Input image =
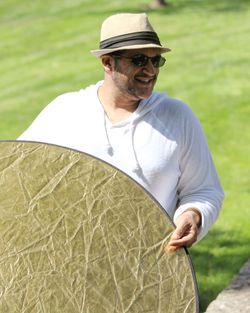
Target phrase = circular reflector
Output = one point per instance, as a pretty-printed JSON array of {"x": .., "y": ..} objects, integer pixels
[{"x": 79, "y": 236}]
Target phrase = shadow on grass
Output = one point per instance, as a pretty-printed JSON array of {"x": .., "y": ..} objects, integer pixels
[
  {"x": 177, "y": 6},
  {"x": 217, "y": 259},
  {"x": 174, "y": 7}
]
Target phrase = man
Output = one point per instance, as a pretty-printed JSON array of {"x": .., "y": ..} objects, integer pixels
[{"x": 153, "y": 138}]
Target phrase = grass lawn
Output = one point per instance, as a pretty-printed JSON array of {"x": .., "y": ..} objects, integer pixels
[{"x": 45, "y": 52}]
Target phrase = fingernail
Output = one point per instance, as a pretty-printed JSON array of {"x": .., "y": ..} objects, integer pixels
[{"x": 171, "y": 248}]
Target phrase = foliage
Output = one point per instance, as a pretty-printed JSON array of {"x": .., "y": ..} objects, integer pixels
[{"x": 45, "y": 52}]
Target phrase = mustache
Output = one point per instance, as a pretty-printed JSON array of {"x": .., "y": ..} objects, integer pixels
[{"x": 143, "y": 75}]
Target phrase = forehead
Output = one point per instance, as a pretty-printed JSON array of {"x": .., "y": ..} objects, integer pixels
[{"x": 146, "y": 51}]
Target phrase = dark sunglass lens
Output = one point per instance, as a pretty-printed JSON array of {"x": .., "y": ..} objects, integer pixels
[
  {"x": 140, "y": 60},
  {"x": 158, "y": 61},
  {"x": 162, "y": 61}
]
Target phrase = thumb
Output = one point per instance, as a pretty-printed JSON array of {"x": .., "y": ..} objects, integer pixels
[{"x": 170, "y": 247}]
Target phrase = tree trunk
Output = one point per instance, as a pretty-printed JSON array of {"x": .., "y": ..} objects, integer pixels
[{"x": 159, "y": 3}]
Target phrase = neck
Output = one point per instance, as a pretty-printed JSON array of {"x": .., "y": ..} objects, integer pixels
[{"x": 116, "y": 106}]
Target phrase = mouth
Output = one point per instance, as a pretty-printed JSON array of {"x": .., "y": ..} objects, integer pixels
[{"x": 145, "y": 81}]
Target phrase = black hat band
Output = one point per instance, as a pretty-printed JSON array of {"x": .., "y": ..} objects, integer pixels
[{"x": 130, "y": 39}]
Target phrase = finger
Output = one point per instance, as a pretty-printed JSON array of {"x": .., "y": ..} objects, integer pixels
[
  {"x": 169, "y": 248},
  {"x": 180, "y": 231},
  {"x": 186, "y": 240},
  {"x": 174, "y": 243}
]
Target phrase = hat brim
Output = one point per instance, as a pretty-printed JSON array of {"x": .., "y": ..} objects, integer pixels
[{"x": 100, "y": 52}]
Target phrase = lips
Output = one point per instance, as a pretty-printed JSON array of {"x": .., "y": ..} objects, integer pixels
[{"x": 144, "y": 80}]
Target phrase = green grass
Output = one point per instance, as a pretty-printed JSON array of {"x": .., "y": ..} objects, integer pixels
[{"x": 45, "y": 51}]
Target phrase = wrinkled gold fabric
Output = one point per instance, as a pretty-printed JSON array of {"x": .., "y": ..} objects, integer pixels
[{"x": 79, "y": 236}]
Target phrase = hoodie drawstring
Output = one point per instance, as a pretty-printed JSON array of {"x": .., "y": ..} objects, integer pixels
[
  {"x": 110, "y": 150},
  {"x": 137, "y": 168},
  {"x": 144, "y": 107}
]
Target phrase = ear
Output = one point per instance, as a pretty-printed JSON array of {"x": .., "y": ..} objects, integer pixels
[{"x": 107, "y": 62}]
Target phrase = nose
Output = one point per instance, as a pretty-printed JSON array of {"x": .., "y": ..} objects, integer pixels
[{"x": 149, "y": 69}]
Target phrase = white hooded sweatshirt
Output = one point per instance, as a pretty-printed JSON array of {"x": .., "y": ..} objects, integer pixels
[{"x": 161, "y": 146}]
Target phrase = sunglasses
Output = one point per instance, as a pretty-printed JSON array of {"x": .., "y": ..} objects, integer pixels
[{"x": 141, "y": 60}]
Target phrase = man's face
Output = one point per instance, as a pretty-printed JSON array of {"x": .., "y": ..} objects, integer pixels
[{"x": 133, "y": 81}]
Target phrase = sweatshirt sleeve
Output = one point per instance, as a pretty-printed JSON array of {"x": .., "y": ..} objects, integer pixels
[
  {"x": 44, "y": 125},
  {"x": 199, "y": 185},
  {"x": 55, "y": 122},
  {"x": 51, "y": 125}
]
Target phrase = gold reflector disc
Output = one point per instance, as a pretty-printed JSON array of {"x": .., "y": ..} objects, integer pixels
[{"x": 79, "y": 236}]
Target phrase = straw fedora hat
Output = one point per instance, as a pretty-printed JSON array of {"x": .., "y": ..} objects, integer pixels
[{"x": 125, "y": 31}]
